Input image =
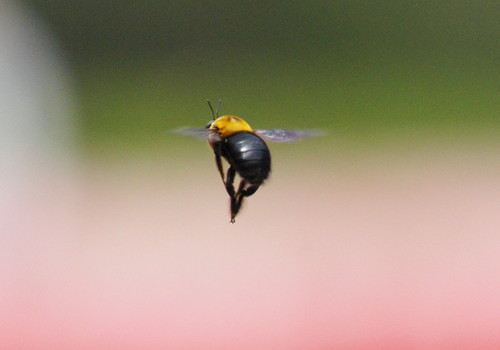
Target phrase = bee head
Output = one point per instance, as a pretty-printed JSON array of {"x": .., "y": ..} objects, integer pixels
[{"x": 228, "y": 125}]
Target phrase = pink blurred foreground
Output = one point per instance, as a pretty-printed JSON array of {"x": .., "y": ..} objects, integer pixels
[{"x": 401, "y": 255}]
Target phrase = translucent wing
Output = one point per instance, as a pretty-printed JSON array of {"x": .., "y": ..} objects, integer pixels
[
  {"x": 280, "y": 135},
  {"x": 198, "y": 133},
  {"x": 273, "y": 135}
]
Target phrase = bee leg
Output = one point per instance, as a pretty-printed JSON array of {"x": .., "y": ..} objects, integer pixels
[
  {"x": 250, "y": 190},
  {"x": 231, "y": 173},
  {"x": 237, "y": 200},
  {"x": 218, "y": 161}
]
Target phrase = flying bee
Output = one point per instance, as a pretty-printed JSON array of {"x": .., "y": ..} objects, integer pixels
[{"x": 244, "y": 149}]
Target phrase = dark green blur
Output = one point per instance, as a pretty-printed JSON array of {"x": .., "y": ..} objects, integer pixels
[{"x": 372, "y": 73}]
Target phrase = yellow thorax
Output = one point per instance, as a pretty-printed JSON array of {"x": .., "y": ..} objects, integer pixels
[{"x": 229, "y": 124}]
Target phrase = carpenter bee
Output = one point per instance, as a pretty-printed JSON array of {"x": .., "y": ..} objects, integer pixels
[{"x": 244, "y": 149}]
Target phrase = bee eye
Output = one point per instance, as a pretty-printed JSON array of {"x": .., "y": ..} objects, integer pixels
[{"x": 209, "y": 124}]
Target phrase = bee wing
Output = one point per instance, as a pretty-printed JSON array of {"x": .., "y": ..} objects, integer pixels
[
  {"x": 198, "y": 133},
  {"x": 280, "y": 135}
]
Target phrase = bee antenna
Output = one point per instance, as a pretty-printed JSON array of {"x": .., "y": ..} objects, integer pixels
[{"x": 212, "y": 109}]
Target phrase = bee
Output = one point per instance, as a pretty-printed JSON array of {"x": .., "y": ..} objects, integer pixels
[{"x": 244, "y": 149}]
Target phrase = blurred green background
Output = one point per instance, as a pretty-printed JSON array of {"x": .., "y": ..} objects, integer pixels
[{"x": 374, "y": 74}]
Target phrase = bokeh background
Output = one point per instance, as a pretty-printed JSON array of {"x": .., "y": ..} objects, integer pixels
[{"x": 384, "y": 234}]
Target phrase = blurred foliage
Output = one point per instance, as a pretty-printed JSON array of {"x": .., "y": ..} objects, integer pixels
[
  {"x": 158, "y": 27},
  {"x": 367, "y": 71}
]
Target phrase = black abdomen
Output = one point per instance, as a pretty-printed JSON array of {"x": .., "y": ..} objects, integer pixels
[{"x": 249, "y": 154}]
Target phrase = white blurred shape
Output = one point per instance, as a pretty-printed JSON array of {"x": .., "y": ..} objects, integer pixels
[{"x": 36, "y": 126}]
